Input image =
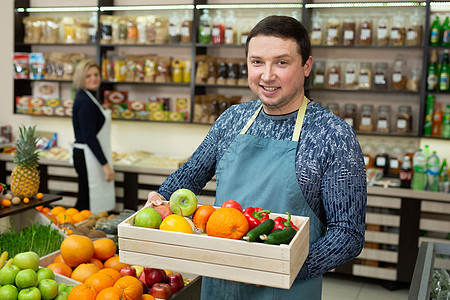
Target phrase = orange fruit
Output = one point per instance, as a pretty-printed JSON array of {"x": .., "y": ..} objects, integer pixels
[
  {"x": 104, "y": 248},
  {"x": 39, "y": 196},
  {"x": 6, "y": 203},
  {"x": 100, "y": 281},
  {"x": 82, "y": 291},
  {"x": 147, "y": 297},
  {"x": 131, "y": 286},
  {"x": 111, "y": 293},
  {"x": 113, "y": 262},
  {"x": 59, "y": 258},
  {"x": 62, "y": 217},
  {"x": 46, "y": 210},
  {"x": 26, "y": 200},
  {"x": 86, "y": 213},
  {"x": 57, "y": 209},
  {"x": 201, "y": 216},
  {"x": 96, "y": 262},
  {"x": 83, "y": 271},
  {"x": 112, "y": 272},
  {"x": 40, "y": 208},
  {"x": 227, "y": 222},
  {"x": 72, "y": 211},
  {"x": 60, "y": 268},
  {"x": 176, "y": 223},
  {"x": 78, "y": 217},
  {"x": 77, "y": 249}
]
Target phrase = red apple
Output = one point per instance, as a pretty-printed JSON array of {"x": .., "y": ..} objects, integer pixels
[
  {"x": 161, "y": 291},
  {"x": 144, "y": 284},
  {"x": 151, "y": 276},
  {"x": 176, "y": 281},
  {"x": 164, "y": 210},
  {"x": 128, "y": 271}
]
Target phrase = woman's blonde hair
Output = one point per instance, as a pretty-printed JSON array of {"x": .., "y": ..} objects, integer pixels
[{"x": 80, "y": 72}]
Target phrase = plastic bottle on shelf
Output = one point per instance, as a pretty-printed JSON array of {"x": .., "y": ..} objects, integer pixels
[
  {"x": 444, "y": 184},
  {"x": 444, "y": 73},
  {"x": 230, "y": 31},
  {"x": 406, "y": 173},
  {"x": 428, "y": 123},
  {"x": 218, "y": 28},
  {"x": 419, "y": 179},
  {"x": 435, "y": 32},
  {"x": 427, "y": 151},
  {"x": 382, "y": 158},
  {"x": 446, "y": 32},
  {"x": 174, "y": 28},
  {"x": 433, "y": 170},
  {"x": 186, "y": 28},
  {"x": 395, "y": 159},
  {"x": 446, "y": 123},
  {"x": 438, "y": 115},
  {"x": 205, "y": 28},
  {"x": 369, "y": 155},
  {"x": 433, "y": 72},
  {"x": 316, "y": 34}
]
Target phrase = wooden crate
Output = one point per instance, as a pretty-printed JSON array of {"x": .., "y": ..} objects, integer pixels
[{"x": 238, "y": 260}]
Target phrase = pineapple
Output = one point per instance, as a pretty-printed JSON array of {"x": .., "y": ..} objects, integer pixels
[{"x": 25, "y": 176}]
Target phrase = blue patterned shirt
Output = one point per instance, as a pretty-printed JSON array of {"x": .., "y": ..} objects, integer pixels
[{"x": 329, "y": 166}]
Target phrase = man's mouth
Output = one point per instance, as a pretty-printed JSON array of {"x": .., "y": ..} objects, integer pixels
[{"x": 269, "y": 89}]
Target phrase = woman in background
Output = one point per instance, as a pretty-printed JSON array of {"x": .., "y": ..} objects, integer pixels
[{"x": 92, "y": 154}]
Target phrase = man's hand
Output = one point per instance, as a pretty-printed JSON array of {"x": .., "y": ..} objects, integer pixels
[
  {"x": 109, "y": 172},
  {"x": 154, "y": 199}
]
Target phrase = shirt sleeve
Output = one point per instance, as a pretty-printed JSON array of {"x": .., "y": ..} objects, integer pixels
[
  {"x": 344, "y": 194},
  {"x": 90, "y": 122}
]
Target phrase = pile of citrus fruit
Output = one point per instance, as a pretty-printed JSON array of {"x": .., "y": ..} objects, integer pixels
[{"x": 61, "y": 215}]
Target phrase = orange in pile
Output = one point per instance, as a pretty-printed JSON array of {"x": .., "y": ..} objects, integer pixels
[
  {"x": 60, "y": 214},
  {"x": 227, "y": 222}
]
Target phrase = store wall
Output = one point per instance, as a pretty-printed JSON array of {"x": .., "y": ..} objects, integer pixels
[{"x": 161, "y": 138}]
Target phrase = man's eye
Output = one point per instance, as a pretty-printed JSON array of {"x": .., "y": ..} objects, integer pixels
[{"x": 282, "y": 63}]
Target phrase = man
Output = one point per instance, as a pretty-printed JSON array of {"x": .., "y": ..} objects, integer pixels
[{"x": 283, "y": 152}]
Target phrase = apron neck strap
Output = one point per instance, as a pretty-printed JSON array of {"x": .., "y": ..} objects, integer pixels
[
  {"x": 298, "y": 122},
  {"x": 93, "y": 99}
]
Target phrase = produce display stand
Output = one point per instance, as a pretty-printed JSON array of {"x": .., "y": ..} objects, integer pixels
[
  {"x": 15, "y": 209},
  {"x": 255, "y": 263},
  {"x": 425, "y": 264}
]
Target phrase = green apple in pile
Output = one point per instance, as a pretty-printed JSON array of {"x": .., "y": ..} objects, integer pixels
[{"x": 183, "y": 202}]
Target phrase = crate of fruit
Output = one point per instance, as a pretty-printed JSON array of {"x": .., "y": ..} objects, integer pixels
[{"x": 230, "y": 259}]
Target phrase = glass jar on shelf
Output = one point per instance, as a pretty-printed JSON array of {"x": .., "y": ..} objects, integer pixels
[
  {"x": 334, "y": 108},
  {"x": 382, "y": 32},
  {"x": 319, "y": 74},
  {"x": 348, "y": 32},
  {"x": 413, "y": 82},
  {"x": 396, "y": 158},
  {"x": 365, "y": 76},
  {"x": 415, "y": 30},
  {"x": 380, "y": 79},
  {"x": 382, "y": 158},
  {"x": 365, "y": 32},
  {"x": 350, "y": 114},
  {"x": 316, "y": 36},
  {"x": 384, "y": 119},
  {"x": 369, "y": 153},
  {"x": 350, "y": 77},
  {"x": 333, "y": 30},
  {"x": 366, "y": 118},
  {"x": 333, "y": 79},
  {"x": 398, "y": 31},
  {"x": 399, "y": 73},
  {"x": 404, "y": 119}
]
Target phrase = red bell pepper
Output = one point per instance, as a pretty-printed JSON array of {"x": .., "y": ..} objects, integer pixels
[
  {"x": 281, "y": 223},
  {"x": 255, "y": 216}
]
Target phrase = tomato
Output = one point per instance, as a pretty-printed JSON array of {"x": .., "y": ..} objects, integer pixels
[{"x": 233, "y": 204}]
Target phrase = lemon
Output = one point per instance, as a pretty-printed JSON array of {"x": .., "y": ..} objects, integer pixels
[{"x": 176, "y": 223}]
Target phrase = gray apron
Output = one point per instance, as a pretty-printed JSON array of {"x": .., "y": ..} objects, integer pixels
[
  {"x": 102, "y": 195},
  {"x": 261, "y": 172}
]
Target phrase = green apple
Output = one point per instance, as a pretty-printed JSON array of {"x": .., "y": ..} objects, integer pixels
[
  {"x": 8, "y": 292},
  {"x": 62, "y": 296},
  {"x": 69, "y": 288},
  {"x": 183, "y": 202},
  {"x": 48, "y": 288},
  {"x": 27, "y": 260},
  {"x": 45, "y": 273},
  {"x": 26, "y": 278},
  {"x": 8, "y": 274},
  {"x": 31, "y": 293},
  {"x": 147, "y": 217},
  {"x": 62, "y": 287}
]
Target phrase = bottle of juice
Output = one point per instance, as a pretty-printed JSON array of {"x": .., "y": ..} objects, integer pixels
[
  {"x": 433, "y": 72},
  {"x": 446, "y": 123},
  {"x": 435, "y": 32},
  {"x": 218, "y": 28},
  {"x": 205, "y": 28},
  {"x": 406, "y": 173},
  {"x": 419, "y": 179},
  {"x": 438, "y": 115}
]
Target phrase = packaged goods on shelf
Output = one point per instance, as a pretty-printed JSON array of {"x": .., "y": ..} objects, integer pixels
[
  {"x": 207, "y": 108},
  {"x": 219, "y": 70},
  {"x": 21, "y": 65},
  {"x": 41, "y": 30}
]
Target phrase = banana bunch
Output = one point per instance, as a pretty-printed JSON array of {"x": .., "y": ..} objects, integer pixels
[{"x": 3, "y": 259}]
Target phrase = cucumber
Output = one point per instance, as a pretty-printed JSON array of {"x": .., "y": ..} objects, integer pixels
[
  {"x": 279, "y": 237},
  {"x": 264, "y": 228}
]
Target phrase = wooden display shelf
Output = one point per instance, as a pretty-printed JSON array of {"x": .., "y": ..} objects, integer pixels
[{"x": 15, "y": 209}]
